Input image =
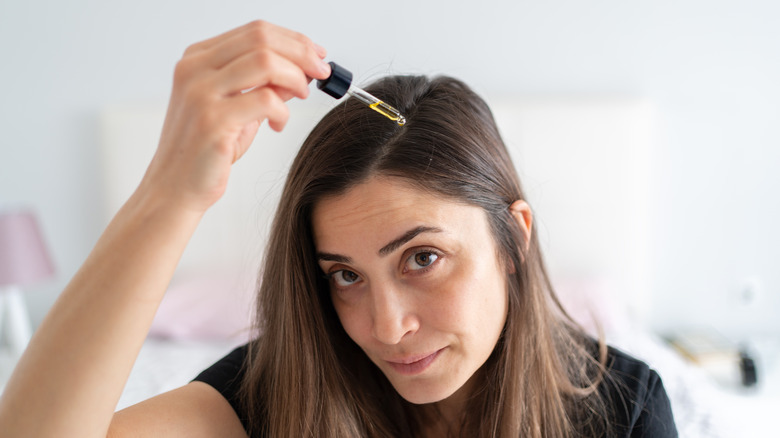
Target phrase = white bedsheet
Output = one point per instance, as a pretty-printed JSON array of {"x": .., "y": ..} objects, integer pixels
[
  {"x": 703, "y": 408},
  {"x": 164, "y": 365}
]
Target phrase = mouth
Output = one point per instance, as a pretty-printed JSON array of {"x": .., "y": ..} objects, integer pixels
[{"x": 414, "y": 364}]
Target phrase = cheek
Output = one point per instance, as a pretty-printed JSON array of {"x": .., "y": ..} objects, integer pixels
[
  {"x": 494, "y": 304},
  {"x": 476, "y": 301},
  {"x": 353, "y": 320}
]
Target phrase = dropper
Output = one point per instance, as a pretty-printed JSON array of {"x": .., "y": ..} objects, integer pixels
[{"x": 339, "y": 83}]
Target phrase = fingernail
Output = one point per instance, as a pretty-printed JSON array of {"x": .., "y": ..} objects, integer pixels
[{"x": 325, "y": 68}]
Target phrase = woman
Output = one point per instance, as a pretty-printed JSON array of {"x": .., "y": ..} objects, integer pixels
[{"x": 403, "y": 292}]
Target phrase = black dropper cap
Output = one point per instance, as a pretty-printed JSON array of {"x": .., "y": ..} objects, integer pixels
[{"x": 338, "y": 82}]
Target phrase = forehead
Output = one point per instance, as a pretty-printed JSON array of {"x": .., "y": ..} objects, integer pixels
[{"x": 384, "y": 205}]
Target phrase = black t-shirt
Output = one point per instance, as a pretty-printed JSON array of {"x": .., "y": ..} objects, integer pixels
[{"x": 639, "y": 402}]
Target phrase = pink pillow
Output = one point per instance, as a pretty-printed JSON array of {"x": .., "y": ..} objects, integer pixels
[
  {"x": 592, "y": 301},
  {"x": 206, "y": 306}
]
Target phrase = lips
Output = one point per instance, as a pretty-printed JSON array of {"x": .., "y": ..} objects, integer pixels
[{"x": 412, "y": 365}]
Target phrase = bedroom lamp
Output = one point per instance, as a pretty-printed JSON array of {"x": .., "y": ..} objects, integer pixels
[{"x": 23, "y": 260}]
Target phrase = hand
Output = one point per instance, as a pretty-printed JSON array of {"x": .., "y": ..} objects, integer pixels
[{"x": 223, "y": 89}]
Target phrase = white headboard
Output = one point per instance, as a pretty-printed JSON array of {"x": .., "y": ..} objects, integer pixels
[
  {"x": 585, "y": 165},
  {"x": 233, "y": 230}
]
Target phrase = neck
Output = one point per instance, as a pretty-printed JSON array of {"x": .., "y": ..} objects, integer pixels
[{"x": 444, "y": 418}]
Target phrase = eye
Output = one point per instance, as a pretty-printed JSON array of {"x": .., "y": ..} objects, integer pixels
[
  {"x": 421, "y": 260},
  {"x": 344, "y": 278}
]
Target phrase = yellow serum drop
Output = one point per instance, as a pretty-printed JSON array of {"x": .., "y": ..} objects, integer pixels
[{"x": 339, "y": 83}]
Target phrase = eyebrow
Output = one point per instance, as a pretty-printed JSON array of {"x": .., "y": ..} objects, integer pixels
[
  {"x": 409, "y": 235},
  {"x": 385, "y": 250}
]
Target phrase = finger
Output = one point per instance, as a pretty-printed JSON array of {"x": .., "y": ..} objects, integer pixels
[
  {"x": 283, "y": 94},
  {"x": 259, "y": 69},
  {"x": 321, "y": 52},
  {"x": 276, "y": 112},
  {"x": 293, "y": 45},
  {"x": 213, "y": 41},
  {"x": 248, "y": 27},
  {"x": 257, "y": 105}
]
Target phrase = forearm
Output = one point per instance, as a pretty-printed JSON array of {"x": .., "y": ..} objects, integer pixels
[{"x": 72, "y": 375}]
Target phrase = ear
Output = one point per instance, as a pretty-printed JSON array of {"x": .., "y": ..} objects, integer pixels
[{"x": 521, "y": 211}]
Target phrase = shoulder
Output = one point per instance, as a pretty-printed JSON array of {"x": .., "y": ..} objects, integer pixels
[
  {"x": 208, "y": 406},
  {"x": 637, "y": 398},
  {"x": 194, "y": 410},
  {"x": 226, "y": 376},
  {"x": 227, "y": 372}
]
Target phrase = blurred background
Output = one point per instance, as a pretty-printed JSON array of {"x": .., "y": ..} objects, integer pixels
[
  {"x": 708, "y": 68},
  {"x": 707, "y": 71}
]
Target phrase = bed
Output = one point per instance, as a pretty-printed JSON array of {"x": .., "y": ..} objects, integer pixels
[{"x": 571, "y": 152}]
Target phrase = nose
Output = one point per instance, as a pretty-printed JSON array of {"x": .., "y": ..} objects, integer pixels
[{"x": 393, "y": 313}]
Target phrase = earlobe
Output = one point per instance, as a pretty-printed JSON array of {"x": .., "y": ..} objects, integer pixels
[{"x": 521, "y": 211}]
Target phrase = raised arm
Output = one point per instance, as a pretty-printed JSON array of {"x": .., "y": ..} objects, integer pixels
[{"x": 71, "y": 376}]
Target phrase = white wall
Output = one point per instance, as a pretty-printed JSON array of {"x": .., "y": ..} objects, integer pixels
[{"x": 709, "y": 67}]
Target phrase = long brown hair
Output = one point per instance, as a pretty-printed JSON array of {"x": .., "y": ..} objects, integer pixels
[{"x": 305, "y": 376}]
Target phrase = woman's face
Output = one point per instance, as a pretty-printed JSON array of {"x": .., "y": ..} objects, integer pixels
[{"x": 416, "y": 282}]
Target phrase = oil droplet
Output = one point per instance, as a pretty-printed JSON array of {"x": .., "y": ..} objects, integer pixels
[{"x": 389, "y": 112}]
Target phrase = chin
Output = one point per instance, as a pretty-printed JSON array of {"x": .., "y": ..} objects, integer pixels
[{"x": 420, "y": 393}]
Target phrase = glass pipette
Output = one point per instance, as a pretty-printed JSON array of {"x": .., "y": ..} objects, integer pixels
[{"x": 339, "y": 83}]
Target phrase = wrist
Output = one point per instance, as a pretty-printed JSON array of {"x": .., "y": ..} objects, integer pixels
[
  {"x": 162, "y": 198},
  {"x": 179, "y": 189},
  {"x": 160, "y": 217}
]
